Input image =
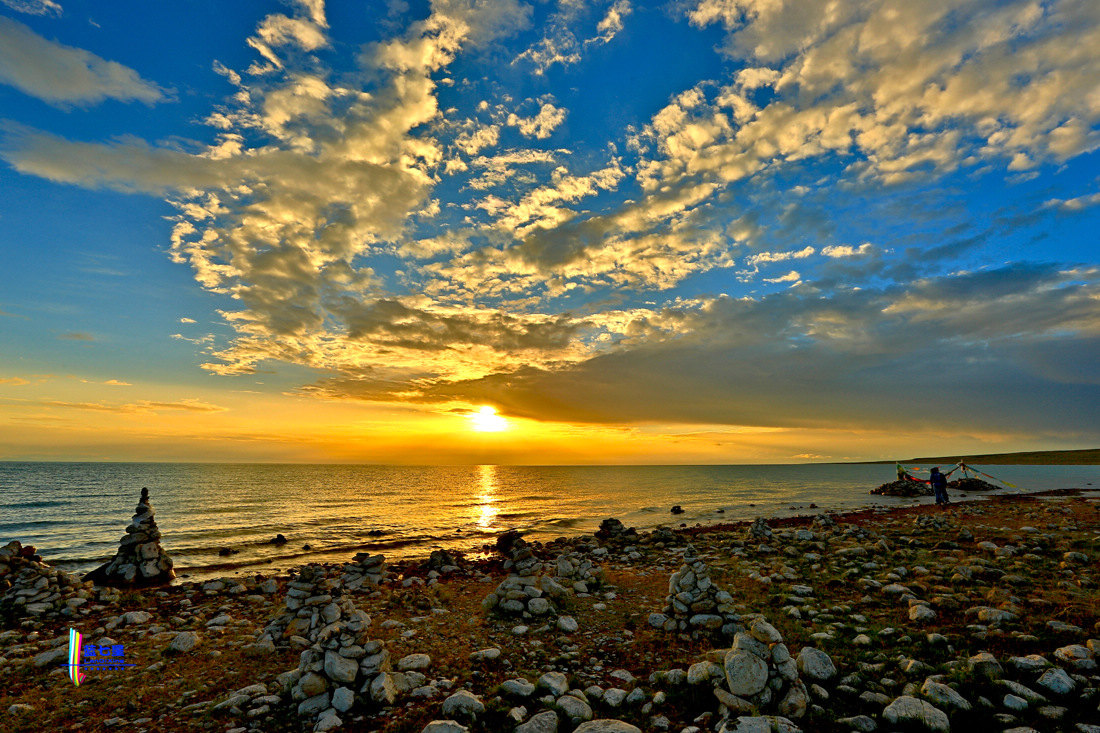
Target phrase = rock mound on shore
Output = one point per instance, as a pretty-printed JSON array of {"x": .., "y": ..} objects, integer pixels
[
  {"x": 140, "y": 560},
  {"x": 903, "y": 488},
  {"x": 31, "y": 587}
]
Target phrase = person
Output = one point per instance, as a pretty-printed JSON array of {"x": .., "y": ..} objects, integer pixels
[{"x": 939, "y": 486}]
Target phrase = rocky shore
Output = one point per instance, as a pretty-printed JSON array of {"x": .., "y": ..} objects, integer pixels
[{"x": 974, "y": 617}]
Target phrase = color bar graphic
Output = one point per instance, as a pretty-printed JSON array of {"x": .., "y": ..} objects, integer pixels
[{"x": 74, "y": 657}]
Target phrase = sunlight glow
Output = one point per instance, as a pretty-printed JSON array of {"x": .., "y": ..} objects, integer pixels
[{"x": 486, "y": 420}]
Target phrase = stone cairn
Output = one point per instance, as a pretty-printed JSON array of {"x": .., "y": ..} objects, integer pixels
[
  {"x": 759, "y": 530},
  {"x": 695, "y": 604},
  {"x": 341, "y": 664},
  {"x": 577, "y": 571},
  {"x": 612, "y": 530},
  {"x": 522, "y": 592},
  {"x": 364, "y": 569},
  {"x": 445, "y": 562},
  {"x": 31, "y": 587},
  {"x": 140, "y": 560},
  {"x": 759, "y": 674}
]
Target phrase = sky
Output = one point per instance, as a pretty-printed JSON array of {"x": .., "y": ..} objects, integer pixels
[{"x": 556, "y": 231}]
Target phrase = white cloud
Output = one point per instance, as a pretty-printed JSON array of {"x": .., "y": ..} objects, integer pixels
[
  {"x": 34, "y": 7},
  {"x": 542, "y": 124},
  {"x": 844, "y": 250},
  {"x": 63, "y": 75},
  {"x": 790, "y": 277}
]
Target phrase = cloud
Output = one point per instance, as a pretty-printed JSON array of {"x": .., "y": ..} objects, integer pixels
[
  {"x": 62, "y": 75},
  {"x": 795, "y": 360},
  {"x": 130, "y": 408},
  {"x": 14, "y": 381},
  {"x": 187, "y": 320},
  {"x": 34, "y": 7},
  {"x": 837, "y": 251},
  {"x": 542, "y": 124},
  {"x": 77, "y": 336}
]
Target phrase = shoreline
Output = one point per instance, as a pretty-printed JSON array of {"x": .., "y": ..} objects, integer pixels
[
  {"x": 421, "y": 549},
  {"x": 421, "y": 610}
]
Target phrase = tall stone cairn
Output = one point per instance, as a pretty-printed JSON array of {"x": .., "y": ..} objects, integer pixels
[
  {"x": 341, "y": 666},
  {"x": 695, "y": 604},
  {"x": 140, "y": 560},
  {"x": 522, "y": 593}
]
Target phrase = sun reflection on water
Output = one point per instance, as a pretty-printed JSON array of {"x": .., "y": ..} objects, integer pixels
[{"x": 487, "y": 483}]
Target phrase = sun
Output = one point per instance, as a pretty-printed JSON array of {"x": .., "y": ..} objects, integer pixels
[{"x": 486, "y": 420}]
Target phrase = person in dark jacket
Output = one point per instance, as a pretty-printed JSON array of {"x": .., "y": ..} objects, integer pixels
[{"x": 939, "y": 486}]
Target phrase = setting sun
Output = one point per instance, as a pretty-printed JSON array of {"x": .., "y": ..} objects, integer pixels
[{"x": 486, "y": 420}]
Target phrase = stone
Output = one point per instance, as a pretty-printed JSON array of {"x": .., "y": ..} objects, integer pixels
[
  {"x": 984, "y": 664},
  {"x": 1057, "y": 681},
  {"x": 342, "y": 699},
  {"x": 606, "y": 725},
  {"x": 574, "y": 708},
  {"x": 517, "y": 688},
  {"x": 339, "y": 668},
  {"x": 414, "y": 662},
  {"x": 568, "y": 624},
  {"x": 312, "y": 684},
  {"x": 815, "y": 664},
  {"x": 555, "y": 682},
  {"x": 746, "y": 673},
  {"x": 613, "y": 697},
  {"x": 544, "y": 722},
  {"x": 383, "y": 690},
  {"x": 909, "y": 710},
  {"x": 184, "y": 642},
  {"x": 463, "y": 704},
  {"x": 444, "y": 726},
  {"x": 328, "y": 720},
  {"x": 943, "y": 696},
  {"x": 313, "y": 705},
  {"x": 52, "y": 657}
]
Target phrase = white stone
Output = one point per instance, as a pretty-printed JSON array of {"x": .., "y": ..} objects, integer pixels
[
  {"x": 943, "y": 696},
  {"x": 444, "y": 726},
  {"x": 574, "y": 708},
  {"x": 606, "y": 726},
  {"x": 568, "y": 624},
  {"x": 340, "y": 669},
  {"x": 815, "y": 664},
  {"x": 906, "y": 709},
  {"x": 544, "y": 722},
  {"x": 1057, "y": 681},
  {"x": 413, "y": 662},
  {"x": 184, "y": 641},
  {"x": 463, "y": 704},
  {"x": 342, "y": 699},
  {"x": 746, "y": 673},
  {"x": 555, "y": 682}
]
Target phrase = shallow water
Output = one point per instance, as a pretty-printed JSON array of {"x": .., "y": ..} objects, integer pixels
[{"x": 75, "y": 512}]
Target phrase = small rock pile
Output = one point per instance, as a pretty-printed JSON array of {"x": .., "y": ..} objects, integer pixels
[
  {"x": 309, "y": 607},
  {"x": 759, "y": 674},
  {"x": 612, "y": 529},
  {"x": 661, "y": 533},
  {"x": 140, "y": 560},
  {"x": 364, "y": 569},
  {"x": 759, "y": 530},
  {"x": 31, "y": 587},
  {"x": 971, "y": 484},
  {"x": 445, "y": 562},
  {"x": 520, "y": 593},
  {"x": 579, "y": 572},
  {"x": 904, "y": 488},
  {"x": 694, "y": 603}
]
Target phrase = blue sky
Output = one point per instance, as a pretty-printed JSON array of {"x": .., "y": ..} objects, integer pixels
[{"x": 716, "y": 230}]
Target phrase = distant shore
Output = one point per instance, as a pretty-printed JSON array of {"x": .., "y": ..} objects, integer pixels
[{"x": 1085, "y": 457}]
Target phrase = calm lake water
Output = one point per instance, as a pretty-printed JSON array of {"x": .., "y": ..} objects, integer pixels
[{"x": 75, "y": 513}]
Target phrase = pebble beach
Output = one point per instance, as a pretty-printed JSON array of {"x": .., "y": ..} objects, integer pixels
[{"x": 976, "y": 616}]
